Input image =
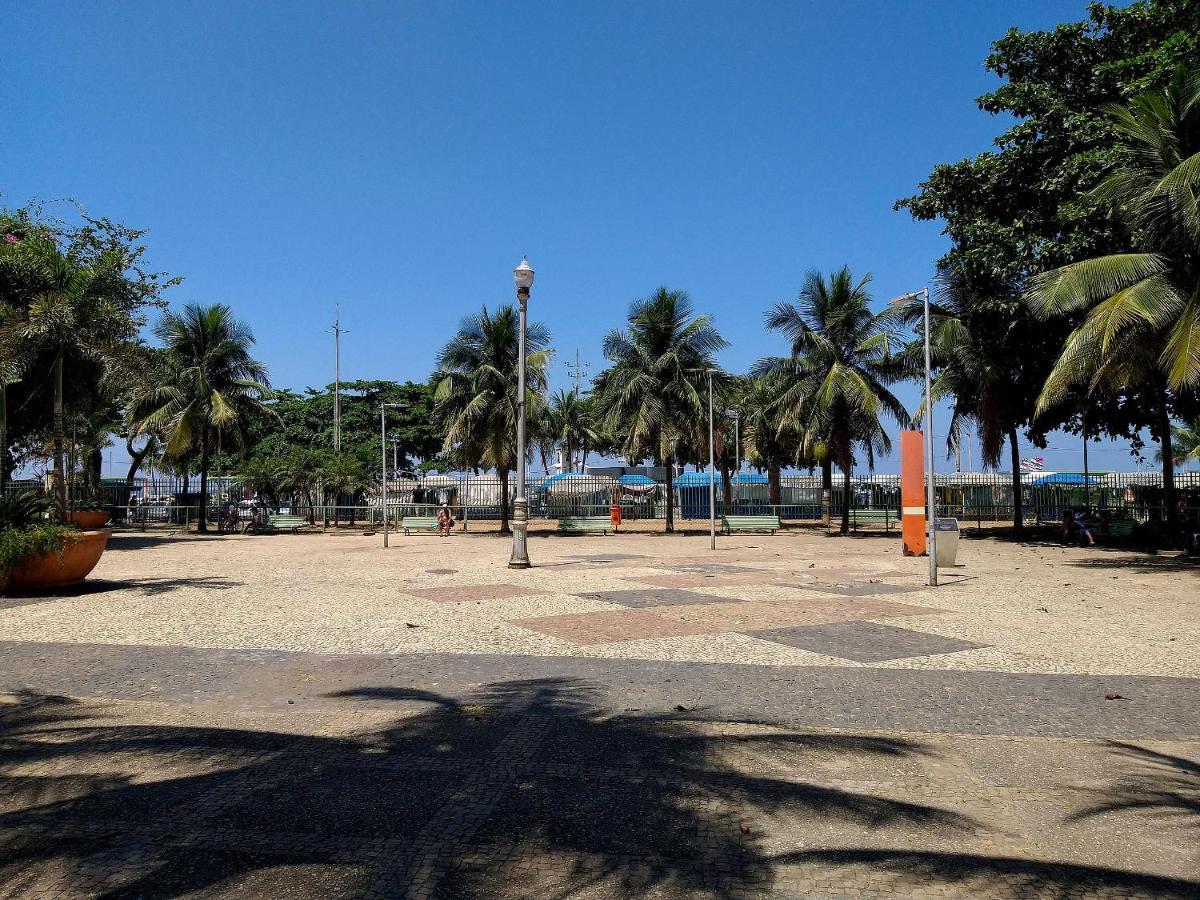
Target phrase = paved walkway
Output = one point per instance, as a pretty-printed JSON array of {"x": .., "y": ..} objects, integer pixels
[{"x": 852, "y": 733}]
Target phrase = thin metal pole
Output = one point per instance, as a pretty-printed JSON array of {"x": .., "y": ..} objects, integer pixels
[
  {"x": 520, "y": 525},
  {"x": 737, "y": 451},
  {"x": 712, "y": 473},
  {"x": 1087, "y": 481},
  {"x": 384, "y": 485},
  {"x": 338, "y": 331},
  {"x": 931, "y": 498}
]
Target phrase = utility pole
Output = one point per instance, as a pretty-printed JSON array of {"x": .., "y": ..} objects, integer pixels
[
  {"x": 338, "y": 331},
  {"x": 577, "y": 371}
]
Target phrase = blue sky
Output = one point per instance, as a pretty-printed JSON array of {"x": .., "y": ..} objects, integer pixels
[{"x": 399, "y": 158}]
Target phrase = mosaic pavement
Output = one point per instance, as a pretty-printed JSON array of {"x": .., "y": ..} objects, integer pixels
[{"x": 798, "y": 717}]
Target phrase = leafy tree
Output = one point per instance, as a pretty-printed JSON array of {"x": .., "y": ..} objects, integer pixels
[
  {"x": 837, "y": 377},
  {"x": 212, "y": 386},
  {"x": 1027, "y": 205},
  {"x": 475, "y": 391},
  {"x": 1185, "y": 443},
  {"x": 1140, "y": 309},
  {"x": 770, "y": 442},
  {"x": 655, "y": 392}
]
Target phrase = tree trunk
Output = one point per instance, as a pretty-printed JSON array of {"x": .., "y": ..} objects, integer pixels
[
  {"x": 847, "y": 499},
  {"x": 202, "y": 522},
  {"x": 3, "y": 436},
  {"x": 1018, "y": 510},
  {"x": 670, "y": 465},
  {"x": 583, "y": 459},
  {"x": 826, "y": 491},
  {"x": 726, "y": 485},
  {"x": 95, "y": 472},
  {"x": 503, "y": 473},
  {"x": 60, "y": 475},
  {"x": 774, "y": 485},
  {"x": 1168, "y": 473}
]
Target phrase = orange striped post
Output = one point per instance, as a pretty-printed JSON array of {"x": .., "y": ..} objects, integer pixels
[{"x": 912, "y": 492}]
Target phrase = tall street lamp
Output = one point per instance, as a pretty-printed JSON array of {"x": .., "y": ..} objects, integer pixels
[
  {"x": 523, "y": 277},
  {"x": 930, "y": 495},
  {"x": 712, "y": 471},
  {"x": 383, "y": 408}
]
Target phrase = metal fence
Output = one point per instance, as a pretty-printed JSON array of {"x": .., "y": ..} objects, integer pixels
[{"x": 979, "y": 498}]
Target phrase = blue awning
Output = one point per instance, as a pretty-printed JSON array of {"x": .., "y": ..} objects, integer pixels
[
  {"x": 749, "y": 478},
  {"x": 1065, "y": 478},
  {"x": 636, "y": 481},
  {"x": 692, "y": 480}
]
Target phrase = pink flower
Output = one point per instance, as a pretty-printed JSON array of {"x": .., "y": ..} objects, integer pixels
[{"x": 11, "y": 239}]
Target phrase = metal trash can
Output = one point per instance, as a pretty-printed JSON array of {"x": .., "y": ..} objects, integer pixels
[{"x": 947, "y": 542}]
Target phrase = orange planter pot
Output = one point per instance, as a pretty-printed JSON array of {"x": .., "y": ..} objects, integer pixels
[
  {"x": 89, "y": 519},
  {"x": 60, "y": 570}
]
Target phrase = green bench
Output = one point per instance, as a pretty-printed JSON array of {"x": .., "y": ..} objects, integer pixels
[
  {"x": 874, "y": 516},
  {"x": 418, "y": 523},
  {"x": 581, "y": 524},
  {"x": 730, "y": 524},
  {"x": 285, "y": 523},
  {"x": 1119, "y": 528}
]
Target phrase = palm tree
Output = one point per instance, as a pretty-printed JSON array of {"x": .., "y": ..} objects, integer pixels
[
  {"x": 211, "y": 390},
  {"x": 475, "y": 391},
  {"x": 341, "y": 474},
  {"x": 970, "y": 338},
  {"x": 1185, "y": 443},
  {"x": 14, "y": 357},
  {"x": 838, "y": 373},
  {"x": 768, "y": 439},
  {"x": 655, "y": 391},
  {"x": 71, "y": 313},
  {"x": 1140, "y": 310},
  {"x": 569, "y": 422}
]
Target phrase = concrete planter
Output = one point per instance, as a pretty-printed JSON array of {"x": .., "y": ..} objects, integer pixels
[{"x": 55, "y": 570}]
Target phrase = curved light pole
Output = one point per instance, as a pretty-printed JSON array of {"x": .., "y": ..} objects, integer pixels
[
  {"x": 523, "y": 277},
  {"x": 383, "y": 408}
]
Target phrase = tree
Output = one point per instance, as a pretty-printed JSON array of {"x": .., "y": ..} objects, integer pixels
[
  {"x": 841, "y": 363},
  {"x": 475, "y": 391},
  {"x": 770, "y": 442},
  {"x": 655, "y": 392},
  {"x": 569, "y": 422},
  {"x": 1185, "y": 443},
  {"x": 212, "y": 387},
  {"x": 341, "y": 474},
  {"x": 970, "y": 346},
  {"x": 1141, "y": 308}
]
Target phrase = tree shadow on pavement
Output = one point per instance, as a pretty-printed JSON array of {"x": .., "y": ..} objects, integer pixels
[
  {"x": 1157, "y": 784},
  {"x": 522, "y": 788}
]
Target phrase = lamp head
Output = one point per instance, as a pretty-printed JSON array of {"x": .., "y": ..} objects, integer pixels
[{"x": 523, "y": 275}]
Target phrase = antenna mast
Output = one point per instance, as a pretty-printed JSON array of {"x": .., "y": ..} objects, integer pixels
[{"x": 338, "y": 331}]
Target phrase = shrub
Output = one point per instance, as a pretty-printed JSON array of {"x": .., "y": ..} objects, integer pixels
[{"x": 18, "y": 544}]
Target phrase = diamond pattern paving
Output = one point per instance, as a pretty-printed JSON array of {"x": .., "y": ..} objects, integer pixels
[
  {"x": 470, "y": 592},
  {"x": 852, "y": 589},
  {"x": 865, "y": 641},
  {"x": 650, "y": 598},
  {"x": 609, "y": 626},
  {"x": 606, "y": 557},
  {"x": 687, "y": 581},
  {"x": 712, "y": 568}
]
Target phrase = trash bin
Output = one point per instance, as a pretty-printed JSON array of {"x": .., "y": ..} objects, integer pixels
[
  {"x": 947, "y": 542},
  {"x": 614, "y": 515}
]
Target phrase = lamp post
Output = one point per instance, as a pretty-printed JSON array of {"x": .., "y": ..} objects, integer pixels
[
  {"x": 383, "y": 408},
  {"x": 737, "y": 452},
  {"x": 523, "y": 277},
  {"x": 712, "y": 471},
  {"x": 930, "y": 493}
]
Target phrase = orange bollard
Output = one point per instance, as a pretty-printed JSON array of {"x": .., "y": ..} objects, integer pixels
[{"x": 912, "y": 492}]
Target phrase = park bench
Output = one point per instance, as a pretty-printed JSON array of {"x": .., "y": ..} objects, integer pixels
[
  {"x": 873, "y": 516},
  {"x": 1119, "y": 528},
  {"x": 581, "y": 524},
  {"x": 285, "y": 523},
  {"x": 731, "y": 524},
  {"x": 418, "y": 523}
]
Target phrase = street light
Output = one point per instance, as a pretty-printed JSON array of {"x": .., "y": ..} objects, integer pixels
[
  {"x": 712, "y": 471},
  {"x": 383, "y": 408},
  {"x": 523, "y": 277},
  {"x": 930, "y": 498}
]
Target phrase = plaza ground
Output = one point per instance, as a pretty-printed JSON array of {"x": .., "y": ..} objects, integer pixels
[{"x": 793, "y": 715}]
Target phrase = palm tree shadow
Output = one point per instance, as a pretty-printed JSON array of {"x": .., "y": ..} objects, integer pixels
[
  {"x": 525, "y": 785},
  {"x": 1161, "y": 785}
]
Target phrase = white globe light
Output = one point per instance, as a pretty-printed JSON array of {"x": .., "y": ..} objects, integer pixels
[{"x": 523, "y": 274}]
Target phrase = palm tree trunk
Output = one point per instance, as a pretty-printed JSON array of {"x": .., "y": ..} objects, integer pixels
[
  {"x": 670, "y": 495},
  {"x": 826, "y": 491},
  {"x": 1168, "y": 473},
  {"x": 774, "y": 484},
  {"x": 583, "y": 459},
  {"x": 202, "y": 521},
  {"x": 726, "y": 485},
  {"x": 847, "y": 499},
  {"x": 503, "y": 473},
  {"x": 136, "y": 458},
  {"x": 1018, "y": 510},
  {"x": 60, "y": 482}
]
